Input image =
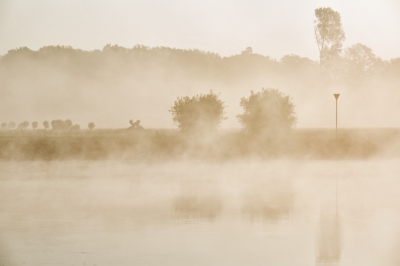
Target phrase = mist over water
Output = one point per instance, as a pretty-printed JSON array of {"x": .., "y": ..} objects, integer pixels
[
  {"x": 190, "y": 212},
  {"x": 155, "y": 155}
]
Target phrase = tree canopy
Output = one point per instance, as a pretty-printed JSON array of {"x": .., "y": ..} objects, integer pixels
[
  {"x": 198, "y": 114},
  {"x": 329, "y": 34},
  {"x": 267, "y": 113}
]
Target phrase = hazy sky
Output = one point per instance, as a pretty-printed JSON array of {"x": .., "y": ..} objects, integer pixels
[{"x": 272, "y": 28}]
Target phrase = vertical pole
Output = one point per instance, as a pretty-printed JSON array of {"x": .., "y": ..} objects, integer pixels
[{"x": 336, "y": 97}]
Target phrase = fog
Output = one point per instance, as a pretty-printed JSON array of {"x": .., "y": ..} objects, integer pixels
[
  {"x": 111, "y": 212},
  {"x": 217, "y": 140},
  {"x": 117, "y": 84}
]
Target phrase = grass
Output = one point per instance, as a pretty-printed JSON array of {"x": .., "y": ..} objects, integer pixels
[{"x": 170, "y": 144}]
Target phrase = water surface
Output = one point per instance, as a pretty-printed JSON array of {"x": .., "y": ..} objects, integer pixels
[{"x": 281, "y": 212}]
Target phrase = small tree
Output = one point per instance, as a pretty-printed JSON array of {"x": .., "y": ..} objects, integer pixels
[
  {"x": 3, "y": 125},
  {"x": 268, "y": 113},
  {"x": 58, "y": 125},
  {"x": 11, "y": 125},
  {"x": 198, "y": 114},
  {"x": 23, "y": 125},
  {"x": 46, "y": 125},
  {"x": 91, "y": 125},
  {"x": 34, "y": 125}
]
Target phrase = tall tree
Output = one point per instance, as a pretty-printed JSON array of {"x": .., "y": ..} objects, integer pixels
[{"x": 329, "y": 35}]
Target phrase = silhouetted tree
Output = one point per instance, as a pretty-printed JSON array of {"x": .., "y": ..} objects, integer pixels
[
  {"x": 248, "y": 50},
  {"x": 198, "y": 114},
  {"x": 358, "y": 61},
  {"x": 329, "y": 36},
  {"x": 3, "y": 125},
  {"x": 268, "y": 113},
  {"x": 46, "y": 125},
  {"x": 11, "y": 125},
  {"x": 23, "y": 125},
  {"x": 91, "y": 125},
  {"x": 59, "y": 125},
  {"x": 34, "y": 125}
]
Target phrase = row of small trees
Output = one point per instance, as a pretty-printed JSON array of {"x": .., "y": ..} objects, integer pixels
[
  {"x": 58, "y": 125},
  {"x": 267, "y": 113}
]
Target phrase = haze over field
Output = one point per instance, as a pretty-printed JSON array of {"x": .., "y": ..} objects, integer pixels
[{"x": 110, "y": 87}]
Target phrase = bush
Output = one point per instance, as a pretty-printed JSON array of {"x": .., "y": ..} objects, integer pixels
[
  {"x": 198, "y": 114},
  {"x": 75, "y": 128},
  {"x": 268, "y": 113},
  {"x": 60, "y": 125},
  {"x": 23, "y": 125}
]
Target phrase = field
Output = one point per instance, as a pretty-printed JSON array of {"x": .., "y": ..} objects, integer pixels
[{"x": 163, "y": 144}]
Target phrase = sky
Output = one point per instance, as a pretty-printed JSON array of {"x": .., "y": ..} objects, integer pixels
[{"x": 274, "y": 28}]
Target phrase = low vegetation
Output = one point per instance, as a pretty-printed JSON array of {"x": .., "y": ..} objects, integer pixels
[{"x": 166, "y": 144}]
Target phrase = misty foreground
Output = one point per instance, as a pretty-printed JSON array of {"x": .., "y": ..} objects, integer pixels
[
  {"x": 242, "y": 212},
  {"x": 171, "y": 144}
]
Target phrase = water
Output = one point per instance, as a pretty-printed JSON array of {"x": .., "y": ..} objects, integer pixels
[{"x": 192, "y": 213}]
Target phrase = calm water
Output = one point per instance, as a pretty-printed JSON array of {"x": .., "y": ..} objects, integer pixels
[{"x": 191, "y": 213}]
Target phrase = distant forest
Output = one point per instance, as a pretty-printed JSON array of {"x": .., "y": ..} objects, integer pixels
[{"x": 117, "y": 84}]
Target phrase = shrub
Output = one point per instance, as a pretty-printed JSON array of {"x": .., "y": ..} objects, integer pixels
[
  {"x": 59, "y": 125},
  {"x": 198, "y": 114},
  {"x": 23, "y": 125},
  {"x": 268, "y": 113}
]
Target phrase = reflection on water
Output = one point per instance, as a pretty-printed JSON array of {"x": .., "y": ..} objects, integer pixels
[
  {"x": 247, "y": 213},
  {"x": 329, "y": 242},
  {"x": 193, "y": 207},
  {"x": 269, "y": 202}
]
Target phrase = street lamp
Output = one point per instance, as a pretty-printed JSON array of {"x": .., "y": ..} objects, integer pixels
[{"x": 336, "y": 97}]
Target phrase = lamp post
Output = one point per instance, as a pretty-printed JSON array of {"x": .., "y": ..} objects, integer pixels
[{"x": 336, "y": 97}]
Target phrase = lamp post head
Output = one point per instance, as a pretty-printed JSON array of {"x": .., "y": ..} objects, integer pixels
[{"x": 336, "y": 95}]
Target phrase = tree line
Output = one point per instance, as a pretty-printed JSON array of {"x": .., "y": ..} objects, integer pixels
[
  {"x": 63, "y": 74},
  {"x": 352, "y": 66},
  {"x": 57, "y": 125}
]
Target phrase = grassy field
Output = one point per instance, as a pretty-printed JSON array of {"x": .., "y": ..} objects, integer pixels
[{"x": 170, "y": 144}]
